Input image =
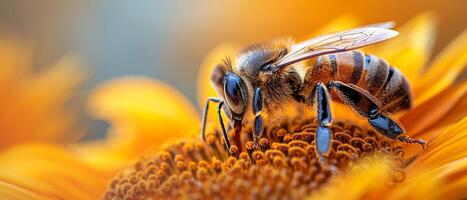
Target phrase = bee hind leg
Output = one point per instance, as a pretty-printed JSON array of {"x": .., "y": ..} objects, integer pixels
[
  {"x": 369, "y": 107},
  {"x": 324, "y": 115},
  {"x": 221, "y": 121}
]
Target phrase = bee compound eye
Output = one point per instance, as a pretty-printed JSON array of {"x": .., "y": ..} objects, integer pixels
[{"x": 234, "y": 95}]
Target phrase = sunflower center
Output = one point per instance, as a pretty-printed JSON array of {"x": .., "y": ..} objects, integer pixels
[{"x": 283, "y": 165}]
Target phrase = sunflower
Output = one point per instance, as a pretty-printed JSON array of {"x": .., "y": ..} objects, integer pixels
[{"x": 153, "y": 150}]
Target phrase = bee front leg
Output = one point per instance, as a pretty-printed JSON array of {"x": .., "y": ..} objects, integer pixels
[
  {"x": 205, "y": 115},
  {"x": 324, "y": 115},
  {"x": 221, "y": 121},
  {"x": 368, "y": 106},
  {"x": 258, "y": 121}
]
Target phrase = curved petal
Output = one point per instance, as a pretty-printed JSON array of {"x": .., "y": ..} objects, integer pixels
[
  {"x": 444, "y": 70},
  {"x": 412, "y": 48},
  {"x": 49, "y": 172},
  {"x": 143, "y": 113},
  {"x": 430, "y": 113}
]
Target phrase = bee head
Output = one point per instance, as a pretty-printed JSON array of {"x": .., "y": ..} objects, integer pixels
[{"x": 236, "y": 95}]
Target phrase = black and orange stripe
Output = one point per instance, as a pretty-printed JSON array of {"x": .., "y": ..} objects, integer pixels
[{"x": 369, "y": 72}]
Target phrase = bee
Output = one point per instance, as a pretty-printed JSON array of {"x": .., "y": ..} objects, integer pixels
[{"x": 269, "y": 75}]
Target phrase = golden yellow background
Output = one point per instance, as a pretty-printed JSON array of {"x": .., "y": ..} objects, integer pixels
[{"x": 168, "y": 39}]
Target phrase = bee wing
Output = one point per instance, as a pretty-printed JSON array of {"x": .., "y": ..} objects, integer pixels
[{"x": 336, "y": 42}]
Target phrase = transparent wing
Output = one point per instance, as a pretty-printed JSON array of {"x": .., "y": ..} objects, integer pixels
[{"x": 336, "y": 42}]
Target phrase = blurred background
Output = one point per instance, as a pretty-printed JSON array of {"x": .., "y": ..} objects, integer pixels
[{"x": 168, "y": 40}]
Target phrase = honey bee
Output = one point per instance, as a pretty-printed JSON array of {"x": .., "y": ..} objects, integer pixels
[{"x": 268, "y": 75}]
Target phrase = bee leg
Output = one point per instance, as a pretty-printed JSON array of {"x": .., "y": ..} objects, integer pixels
[
  {"x": 258, "y": 123},
  {"x": 324, "y": 115},
  {"x": 205, "y": 114},
  {"x": 221, "y": 122},
  {"x": 237, "y": 126},
  {"x": 369, "y": 107}
]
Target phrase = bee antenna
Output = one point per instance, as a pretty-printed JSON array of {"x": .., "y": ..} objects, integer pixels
[{"x": 227, "y": 61}]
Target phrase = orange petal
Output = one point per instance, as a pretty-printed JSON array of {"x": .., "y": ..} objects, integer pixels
[
  {"x": 143, "y": 114},
  {"x": 49, "y": 172},
  {"x": 429, "y": 113},
  {"x": 456, "y": 113},
  {"x": 444, "y": 70},
  {"x": 411, "y": 49},
  {"x": 455, "y": 175}
]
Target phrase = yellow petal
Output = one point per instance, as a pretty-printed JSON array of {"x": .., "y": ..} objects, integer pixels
[
  {"x": 444, "y": 70},
  {"x": 9, "y": 191},
  {"x": 447, "y": 147},
  {"x": 440, "y": 171},
  {"x": 46, "y": 93},
  {"x": 143, "y": 114},
  {"x": 360, "y": 183},
  {"x": 33, "y": 102},
  {"x": 446, "y": 182},
  {"x": 431, "y": 112},
  {"x": 427, "y": 135},
  {"x": 50, "y": 172},
  {"x": 421, "y": 186},
  {"x": 411, "y": 49}
]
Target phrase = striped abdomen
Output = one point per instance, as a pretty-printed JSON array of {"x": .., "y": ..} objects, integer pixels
[{"x": 369, "y": 72}]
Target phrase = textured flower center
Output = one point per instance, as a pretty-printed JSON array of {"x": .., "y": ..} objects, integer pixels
[{"x": 283, "y": 165}]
